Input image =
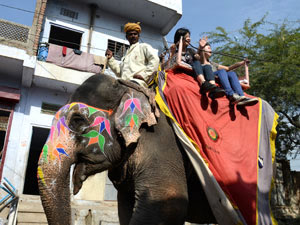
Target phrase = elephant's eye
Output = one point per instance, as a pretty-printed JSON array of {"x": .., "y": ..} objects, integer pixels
[{"x": 78, "y": 123}]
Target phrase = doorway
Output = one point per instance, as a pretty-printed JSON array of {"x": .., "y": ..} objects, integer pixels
[
  {"x": 6, "y": 115},
  {"x": 38, "y": 139},
  {"x": 4, "y": 119}
]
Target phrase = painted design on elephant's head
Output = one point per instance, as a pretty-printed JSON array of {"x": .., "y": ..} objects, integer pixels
[
  {"x": 96, "y": 136},
  {"x": 53, "y": 147},
  {"x": 134, "y": 110},
  {"x": 131, "y": 119},
  {"x": 45, "y": 152},
  {"x": 59, "y": 132},
  {"x": 59, "y": 150},
  {"x": 61, "y": 125}
]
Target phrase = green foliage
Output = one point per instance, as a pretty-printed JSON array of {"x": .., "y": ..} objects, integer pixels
[{"x": 274, "y": 71}]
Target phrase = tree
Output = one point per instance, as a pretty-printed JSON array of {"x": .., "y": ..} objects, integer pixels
[{"x": 274, "y": 71}]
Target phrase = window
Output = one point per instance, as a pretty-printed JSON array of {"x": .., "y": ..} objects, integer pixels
[
  {"x": 50, "y": 109},
  {"x": 69, "y": 13},
  {"x": 65, "y": 37},
  {"x": 117, "y": 48}
]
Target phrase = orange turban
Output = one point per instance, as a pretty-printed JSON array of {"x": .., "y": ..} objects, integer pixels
[{"x": 132, "y": 26}]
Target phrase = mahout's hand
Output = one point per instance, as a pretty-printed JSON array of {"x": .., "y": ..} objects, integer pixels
[
  {"x": 138, "y": 76},
  {"x": 108, "y": 53}
]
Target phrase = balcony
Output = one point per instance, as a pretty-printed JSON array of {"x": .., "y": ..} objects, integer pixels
[
  {"x": 64, "y": 69},
  {"x": 159, "y": 14}
]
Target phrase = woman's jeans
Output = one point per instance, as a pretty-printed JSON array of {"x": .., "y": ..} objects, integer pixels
[
  {"x": 205, "y": 70},
  {"x": 230, "y": 82}
]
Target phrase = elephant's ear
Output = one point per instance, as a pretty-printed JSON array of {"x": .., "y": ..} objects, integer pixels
[{"x": 133, "y": 111}]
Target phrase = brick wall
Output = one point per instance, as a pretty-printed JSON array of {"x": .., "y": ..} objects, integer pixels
[{"x": 36, "y": 28}]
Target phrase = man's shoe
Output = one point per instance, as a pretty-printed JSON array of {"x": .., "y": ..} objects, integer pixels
[
  {"x": 235, "y": 98},
  {"x": 206, "y": 86},
  {"x": 248, "y": 101},
  {"x": 216, "y": 93}
]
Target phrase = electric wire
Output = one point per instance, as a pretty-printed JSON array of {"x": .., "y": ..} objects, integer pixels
[
  {"x": 104, "y": 28},
  {"x": 233, "y": 55},
  {"x": 221, "y": 53}
]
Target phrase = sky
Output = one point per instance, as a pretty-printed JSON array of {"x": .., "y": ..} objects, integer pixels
[
  {"x": 204, "y": 16},
  {"x": 198, "y": 16}
]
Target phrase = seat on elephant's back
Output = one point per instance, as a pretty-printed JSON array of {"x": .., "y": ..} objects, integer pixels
[{"x": 229, "y": 142}]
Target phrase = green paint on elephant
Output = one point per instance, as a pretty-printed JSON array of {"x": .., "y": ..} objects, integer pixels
[
  {"x": 128, "y": 119},
  {"x": 101, "y": 142},
  {"x": 92, "y": 110},
  {"x": 91, "y": 134},
  {"x": 45, "y": 152},
  {"x": 136, "y": 119}
]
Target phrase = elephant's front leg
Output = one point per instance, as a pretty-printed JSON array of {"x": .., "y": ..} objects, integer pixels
[
  {"x": 125, "y": 206},
  {"x": 160, "y": 201}
]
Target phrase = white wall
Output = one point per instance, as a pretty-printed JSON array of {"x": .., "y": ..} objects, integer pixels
[
  {"x": 106, "y": 26},
  {"x": 27, "y": 114},
  {"x": 172, "y": 4}
]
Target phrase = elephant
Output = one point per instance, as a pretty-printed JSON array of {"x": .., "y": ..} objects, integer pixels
[{"x": 115, "y": 125}]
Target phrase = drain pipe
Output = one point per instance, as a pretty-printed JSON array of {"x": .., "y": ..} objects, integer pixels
[{"x": 93, "y": 8}]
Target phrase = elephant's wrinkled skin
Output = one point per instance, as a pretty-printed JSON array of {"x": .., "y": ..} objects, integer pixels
[{"x": 109, "y": 125}]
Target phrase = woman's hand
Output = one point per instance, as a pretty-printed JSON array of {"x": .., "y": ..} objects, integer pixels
[
  {"x": 202, "y": 42},
  {"x": 173, "y": 49},
  {"x": 246, "y": 61},
  {"x": 197, "y": 56}
]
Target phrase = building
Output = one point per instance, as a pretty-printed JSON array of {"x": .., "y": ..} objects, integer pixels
[{"x": 33, "y": 87}]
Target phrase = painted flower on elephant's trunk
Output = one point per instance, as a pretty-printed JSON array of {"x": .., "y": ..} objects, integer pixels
[{"x": 55, "y": 147}]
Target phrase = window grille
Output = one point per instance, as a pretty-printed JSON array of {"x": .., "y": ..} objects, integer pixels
[
  {"x": 13, "y": 31},
  {"x": 117, "y": 48},
  {"x": 51, "y": 109},
  {"x": 69, "y": 13}
]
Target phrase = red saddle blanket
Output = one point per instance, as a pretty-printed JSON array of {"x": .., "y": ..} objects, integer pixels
[{"x": 237, "y": 143}]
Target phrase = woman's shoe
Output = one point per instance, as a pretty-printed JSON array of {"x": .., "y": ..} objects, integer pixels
[
  {"x": 206, "y": 86},
  {"x": 216, "y": 93},
  {"x": 235, "y": 98},
  {"x": 248, "y": 101}
]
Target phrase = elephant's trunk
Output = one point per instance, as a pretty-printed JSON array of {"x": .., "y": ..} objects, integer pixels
[
  {"x": 54, "y": 173},
  {"x": 54, "y": 185}
]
